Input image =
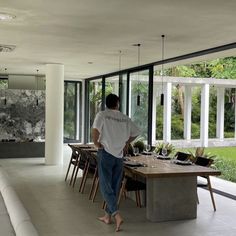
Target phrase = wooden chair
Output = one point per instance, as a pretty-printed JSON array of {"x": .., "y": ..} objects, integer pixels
[
  {"x": 203, "y": 161},
  {"x": 91, "y": 168},
  {"x": 130, "y": 183},
  {"x": 75, "y": 156},
  {"x": 182, "y": 156},
  {"x": 79, "y": 161}
]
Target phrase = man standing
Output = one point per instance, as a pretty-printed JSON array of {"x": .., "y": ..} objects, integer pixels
[{"x": 112, "y": 132}]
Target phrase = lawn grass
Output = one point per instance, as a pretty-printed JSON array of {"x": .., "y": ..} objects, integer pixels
[{"x": 228, "y": 153}]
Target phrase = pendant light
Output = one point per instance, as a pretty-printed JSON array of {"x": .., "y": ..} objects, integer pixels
[
  {"x": 5, "y": 99},
  {"x": 120, "y": 53},
  {"x": 138, "y": 96},
  {"x": 120, "y": 82},
  {"x": 37, "y": 100},
  {"x": 162, "y": 70}
]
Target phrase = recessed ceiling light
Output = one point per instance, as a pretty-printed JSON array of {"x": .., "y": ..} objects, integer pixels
[
  {"x": 6, "y": 16},
  {"x": 90, "y": 62},
  {"x": 7, "y": 48}
]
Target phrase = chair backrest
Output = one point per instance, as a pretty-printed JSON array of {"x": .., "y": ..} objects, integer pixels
[
  {"x": 75, "y": 152},
  {"x": 92, "y": 160},
  {"x": 182, "y": 156},
  {"x": 199, "y": 151},
  {"x": 203, "y": 161},
  {"x": 132, "y": 183}
]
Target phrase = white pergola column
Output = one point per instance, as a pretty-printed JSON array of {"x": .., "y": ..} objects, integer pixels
[
  {"x": 187, "y": 112},
  {"x": 154, "y": 112},
  {"x": 204, "y": 115},
  {"x": 220, "y": 113},
  {"x": 167, "y": 113},
  {"x": 235, "y": 118},
  {"x": 54, "y": 114}
]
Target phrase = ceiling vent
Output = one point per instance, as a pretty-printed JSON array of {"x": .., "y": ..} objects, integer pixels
[{"x": 7, "y": 48}]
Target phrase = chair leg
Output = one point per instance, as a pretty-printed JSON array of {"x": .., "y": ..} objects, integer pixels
[
  {"x": 122, "y": 190},
  {"x": 93, "y": 184},
  {"x": 211, "y": 192},
  {"x": 76, "y": 172},
  {"x": 125, "y": 194},
  {"x": 104, "y": 205},
  {"x": 83, "y": 176},
  {"x": 136, "y": 197},
  {"x": 68, "y": 169},
  {"x": 139, "y": 199},
  {"x": 75, "y": 166},
  {"x": 96, "y": 189}
]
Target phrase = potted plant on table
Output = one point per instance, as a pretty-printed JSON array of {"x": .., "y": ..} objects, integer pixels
[
  {"x": 161, "y": 145},
  {"x": 139, "y": 144}
]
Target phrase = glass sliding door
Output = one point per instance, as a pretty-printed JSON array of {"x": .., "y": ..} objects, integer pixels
[
  {"x": 72, "y": 106},
  {"x": 123, "y": 93},
  {"x": 112, "y": 85},
  {"x": 95, "y": 103},
  {"x": 139, "y": 112},
  {"x": 229, "y": 116},
  {"x": 117, "y": 85}
]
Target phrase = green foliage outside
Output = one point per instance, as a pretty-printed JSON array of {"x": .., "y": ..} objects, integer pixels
[
  {"x": 3, "y": 83},
  {"x": 139, "y": 114},
  {"x": 224, "y": 160},
  {"x": 221, "y": 69},
  {"x": 69, "y": 111}
]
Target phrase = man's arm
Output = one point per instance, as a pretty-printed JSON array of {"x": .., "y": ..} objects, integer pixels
[
  {"x": 95, "y": 137},
  {"x": 127, "y": 144},
  {"x": 131, "y": 139}
]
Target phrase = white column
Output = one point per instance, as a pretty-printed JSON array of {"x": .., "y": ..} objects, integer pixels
[
  {"x": 154, "y": 113},
  {"x": 204, "y": 115},
  {"x": 187, "y": 112},
  {"x": 220, "y": 113},
  {"x": 167, "y": 113},
  {"x": 54, "y": 114},
  {"x": 235, "y": 118}
]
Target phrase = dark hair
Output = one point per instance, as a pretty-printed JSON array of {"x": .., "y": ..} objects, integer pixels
[{"x": 112, "y": 101}]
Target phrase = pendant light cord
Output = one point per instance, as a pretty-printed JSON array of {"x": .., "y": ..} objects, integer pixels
[
  {"x": 37, "y": 81},
  {"x": 162, "y": 65},
  {"x": 138, "y": 97},
  {"x": 120, "y": 60},
  {"x": 5, "y": 99},
  {"x": 138, "y": 66}
]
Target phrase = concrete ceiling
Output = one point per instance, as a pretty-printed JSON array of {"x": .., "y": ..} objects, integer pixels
[{"x": 76, "y": 32}]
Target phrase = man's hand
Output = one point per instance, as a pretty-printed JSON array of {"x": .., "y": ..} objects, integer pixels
[
  {"x": 126, "y": 149},
  {"x": 95, "y": 137}
]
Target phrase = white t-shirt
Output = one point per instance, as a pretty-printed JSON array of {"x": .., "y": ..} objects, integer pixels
[{"x": 115, "y": 129}]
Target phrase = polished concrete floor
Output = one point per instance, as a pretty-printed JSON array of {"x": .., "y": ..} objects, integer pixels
[{"x": 58, "y": 210}]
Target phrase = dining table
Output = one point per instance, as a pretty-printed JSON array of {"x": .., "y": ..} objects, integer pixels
[{"x": 171, "y": 186}]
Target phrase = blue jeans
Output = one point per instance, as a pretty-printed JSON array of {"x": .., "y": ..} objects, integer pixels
[{"x": 110, "y": 172}]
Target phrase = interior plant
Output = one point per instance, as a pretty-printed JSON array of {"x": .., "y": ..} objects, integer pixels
[
  {"x": 168, "y": 146},
  {"x": 200, "y": 152},
  {"x": 139, "y": 143},
  {"x": 130, "y": 150}
]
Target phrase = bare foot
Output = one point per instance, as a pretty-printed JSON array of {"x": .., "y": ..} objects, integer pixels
[
  {"x": 105, "y": 219},
  {"x": 119, "y": 221}
]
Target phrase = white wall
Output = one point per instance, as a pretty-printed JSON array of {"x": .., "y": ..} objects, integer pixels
[{"x": 26, "y": 82}]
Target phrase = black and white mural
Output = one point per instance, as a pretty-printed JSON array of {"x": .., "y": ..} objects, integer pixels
[{"x": 22, "y": 115}]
